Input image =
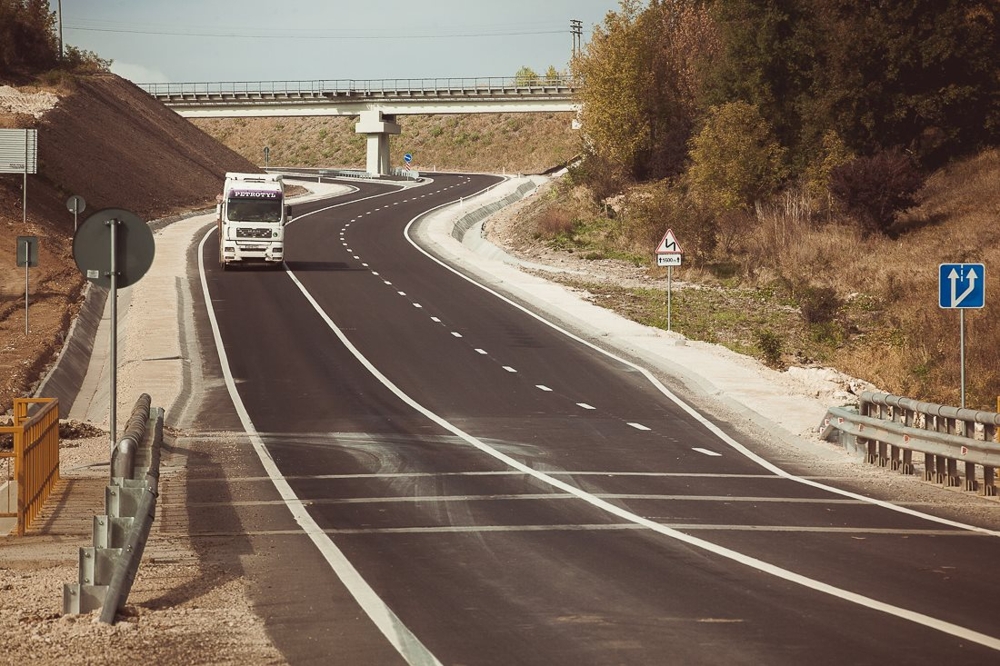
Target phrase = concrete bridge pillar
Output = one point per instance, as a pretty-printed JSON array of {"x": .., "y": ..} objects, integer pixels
[{"x": 378, "y": 128}]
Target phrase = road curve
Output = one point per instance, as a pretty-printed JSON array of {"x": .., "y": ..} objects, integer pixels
[{"x": 432, "y": 475}]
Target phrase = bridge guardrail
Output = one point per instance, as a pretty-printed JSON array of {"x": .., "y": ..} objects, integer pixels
[
  {"x": 889, "y": 429},
  {"x": 364, "y": 88}
]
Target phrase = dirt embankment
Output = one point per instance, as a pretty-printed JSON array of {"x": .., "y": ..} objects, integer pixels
[{"x": 109, "y": 142}]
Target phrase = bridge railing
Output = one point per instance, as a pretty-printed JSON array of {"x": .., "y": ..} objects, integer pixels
[{"x": 361, "y": 87}]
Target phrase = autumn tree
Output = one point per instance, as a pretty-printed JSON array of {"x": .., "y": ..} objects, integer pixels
[
  {"x": 641, "y": 75},
  {"x": 616, "y": 69},
  {"x": 736, "y": 161}
]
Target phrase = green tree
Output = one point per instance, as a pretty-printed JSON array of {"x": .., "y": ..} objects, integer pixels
[
  {"x": 526, "y": 77},
  {"x": 552, "y": 75},
  {"x": 28, "y": 42},
  {"x": 924, "y": 74},
  {"x": 736, "y": 161}
]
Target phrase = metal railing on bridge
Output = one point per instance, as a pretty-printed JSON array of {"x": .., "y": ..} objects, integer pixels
[{"x": 562, "y": 86}]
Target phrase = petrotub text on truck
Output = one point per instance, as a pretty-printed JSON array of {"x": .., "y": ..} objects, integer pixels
[{"x": 252, "y": 217}]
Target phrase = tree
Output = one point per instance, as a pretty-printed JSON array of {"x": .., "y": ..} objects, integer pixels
[
  {"x": 615, "y": 68},
  {"x": 874, "y": 190},
  {"x": 736, "y": 161},
  {"x": 640, "y": 73},
  {"x": 28, "y": 43},
  {"x": 525, "y": 77},
  {"x": 924, "y": 74}
]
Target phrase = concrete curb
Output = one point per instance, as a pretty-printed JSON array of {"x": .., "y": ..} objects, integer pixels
[{"x": 66, "y": 375}]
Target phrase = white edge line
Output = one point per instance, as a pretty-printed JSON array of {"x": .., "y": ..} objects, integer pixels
[
  {"x": 711, "y": 427},
  {"x": 401, "y": 638}
]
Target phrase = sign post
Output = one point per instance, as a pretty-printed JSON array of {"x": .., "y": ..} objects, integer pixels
[
  {"x": 668, "y": 253},
  {"x": 27, "y": 256},
  {"x": 961, "y": 287},
  {"x": 113, "y": 248},
  {"x": 267, "y": 155}
]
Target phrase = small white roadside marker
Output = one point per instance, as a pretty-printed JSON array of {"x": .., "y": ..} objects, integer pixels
[
  {"x": 638, "y": 426},
  {"x": 585, "y": 405},
  {"x": 714, "y": 454}
]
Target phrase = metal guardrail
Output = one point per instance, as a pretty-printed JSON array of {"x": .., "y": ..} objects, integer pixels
[
  {"x": 375, "y": 88},
  {"x": 108, "y": 568},
  {"x": 469, "y": 220},
  {"x": 889, "y": 429},
  {"x": 32, "y": 465}
]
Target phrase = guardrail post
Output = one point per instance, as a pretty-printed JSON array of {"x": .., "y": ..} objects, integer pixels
[
  {"x": 989, "y": 482},
  {"x": 970, "y": 477}
]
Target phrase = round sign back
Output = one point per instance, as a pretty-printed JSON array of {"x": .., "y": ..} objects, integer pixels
[
  {"x": 134, "y": 247},
  {"x": 76, "y": 204}
]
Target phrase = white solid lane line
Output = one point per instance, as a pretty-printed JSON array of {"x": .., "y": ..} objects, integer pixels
[
  {"x": 398, "y": 634},
  {"x": 735, "y": 556}
]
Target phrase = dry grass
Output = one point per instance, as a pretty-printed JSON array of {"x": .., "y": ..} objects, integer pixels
[
  {"x": 500, "y": 143},
  {"x": 888, "y": 328}
]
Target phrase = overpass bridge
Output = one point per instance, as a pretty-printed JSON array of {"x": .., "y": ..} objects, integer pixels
[{"x": 376, "y": 102}]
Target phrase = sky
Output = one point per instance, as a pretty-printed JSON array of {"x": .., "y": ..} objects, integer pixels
[{"x": 184, "y": 41}]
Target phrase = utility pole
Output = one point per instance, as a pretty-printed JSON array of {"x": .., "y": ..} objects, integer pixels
[
  {"x": 62, "y": 53},
  {"x": 576, "y": 29}
]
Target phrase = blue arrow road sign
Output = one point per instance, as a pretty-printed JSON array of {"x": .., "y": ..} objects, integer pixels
[
  {"x": 407, "y": 158},
  {"x": 961, "y": 286}
]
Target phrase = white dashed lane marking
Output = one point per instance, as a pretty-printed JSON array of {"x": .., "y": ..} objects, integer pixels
[
  {"x": 639, "y": 426},
  {"x": 714, "y": 454},
  {"x": 585, "y": 405}
]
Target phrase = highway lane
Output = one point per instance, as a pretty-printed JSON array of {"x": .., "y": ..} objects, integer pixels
[{"x": 488, "y": 562}]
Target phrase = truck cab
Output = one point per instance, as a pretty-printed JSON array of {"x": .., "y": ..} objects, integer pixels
[{"x": 251, "y": 217}]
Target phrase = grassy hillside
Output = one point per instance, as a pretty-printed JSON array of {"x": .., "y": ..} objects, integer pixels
[
  {"x": 799, "y": 290},
  {"x": 507, "y": 142}
]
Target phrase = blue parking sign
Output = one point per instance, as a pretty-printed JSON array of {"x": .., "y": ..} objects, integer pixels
[{"x": 961, "y": 286}]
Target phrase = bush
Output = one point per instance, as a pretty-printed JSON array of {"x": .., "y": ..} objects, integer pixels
[
  {"x": 554, "y": 222},
  {"x": 874, "y": 190},
  {"x": 770, "y": 346},
  {"x": 819, "y": 305}
]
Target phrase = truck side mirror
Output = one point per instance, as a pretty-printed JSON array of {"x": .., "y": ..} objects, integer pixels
[{"x": 288, "y": 214}]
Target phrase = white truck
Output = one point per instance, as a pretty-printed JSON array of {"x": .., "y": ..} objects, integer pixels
[{"x": 251, "y": 216}]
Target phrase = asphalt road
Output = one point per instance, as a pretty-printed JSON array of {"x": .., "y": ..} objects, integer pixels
[{"x": 433, "y": 475}]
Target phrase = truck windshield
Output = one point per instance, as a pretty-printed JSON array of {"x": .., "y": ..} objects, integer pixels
[{"x": 254, "y": 210}]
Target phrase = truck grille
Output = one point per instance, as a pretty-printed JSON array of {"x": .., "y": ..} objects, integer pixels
[{"x": 253, "y": 233}]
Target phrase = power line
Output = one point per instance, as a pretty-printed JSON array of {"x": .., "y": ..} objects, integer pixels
[{"x": 304, "y": 34}]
